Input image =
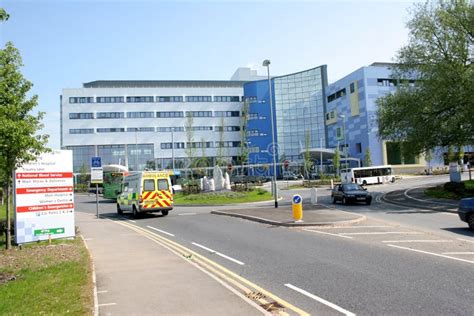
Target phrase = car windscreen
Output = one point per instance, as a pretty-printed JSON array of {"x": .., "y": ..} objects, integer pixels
[{"x": 351, "y": 187}]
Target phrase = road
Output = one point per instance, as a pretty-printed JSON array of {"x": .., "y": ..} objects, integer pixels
[{"x": 398, "y": 261}]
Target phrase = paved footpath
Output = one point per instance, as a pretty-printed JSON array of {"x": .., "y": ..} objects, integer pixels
[{"x": 136, "y": 276}]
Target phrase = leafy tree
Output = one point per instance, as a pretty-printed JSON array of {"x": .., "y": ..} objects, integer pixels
[
  {"x": 190, "y": 148},
  {"x": 220, "y": 147},
  {"x": 438, "y": 109},
  {"x": 244, "y": 150},
  {"x": 337, "y": 160},
  {"x": 19, "y": 139},
  {"x": 451, "y": 155},
  {"x": 367, "y": 158}
]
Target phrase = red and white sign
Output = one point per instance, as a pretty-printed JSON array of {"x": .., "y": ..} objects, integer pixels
[{"x": 44, "y": 198}]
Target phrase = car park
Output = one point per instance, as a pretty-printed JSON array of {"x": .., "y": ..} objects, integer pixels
[
  {"x": 466, "y": 211},
  {"x": 350, "y": 192}
]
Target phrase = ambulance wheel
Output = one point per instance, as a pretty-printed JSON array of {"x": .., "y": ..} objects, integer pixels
[
  {"x": 164, "y": 213},
  {"x": 119, "y": 210},
  {"x": 134, "y": 212}
]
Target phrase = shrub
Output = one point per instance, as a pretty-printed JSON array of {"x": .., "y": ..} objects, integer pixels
[{"x": 455, "y": 187}]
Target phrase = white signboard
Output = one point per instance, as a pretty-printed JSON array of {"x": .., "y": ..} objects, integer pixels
[
  {"x": 97, "y": 175},
  {"x": 44, "y": 198}
]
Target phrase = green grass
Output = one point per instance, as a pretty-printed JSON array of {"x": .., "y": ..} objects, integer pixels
[
  {"x": 52, "y": 280},
  {"x": 469, "y": 184},
  {"x": 440, "y": 193},
  {"x": 222, "y": 198}
]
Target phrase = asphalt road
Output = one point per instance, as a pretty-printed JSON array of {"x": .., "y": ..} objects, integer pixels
[{"x": 397, "y": 262}]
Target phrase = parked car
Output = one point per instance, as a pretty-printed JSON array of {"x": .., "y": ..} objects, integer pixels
[
  {"x": 350, "y": 192},
  {"x": 466, "y": 211},
  {"x": 291, "y": 176}
]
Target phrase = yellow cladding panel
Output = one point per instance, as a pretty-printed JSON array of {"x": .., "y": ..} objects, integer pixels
[
  {"x": 332, "y": 117},
  {"x": 354, "y": 99}
]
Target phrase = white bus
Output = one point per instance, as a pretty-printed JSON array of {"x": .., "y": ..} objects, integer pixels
[{"x": 368, "y": 175}]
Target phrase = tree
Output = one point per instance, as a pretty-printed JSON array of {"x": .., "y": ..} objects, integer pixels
[
  {"x": 337, "y": 160},
  {"x": 438, "y": 109},
  {"x": 367, "y": 158},
  {"x": 20, "y": 142},
  {"x": 190, "y": 146},
  {"x": 220, "y": 145},
  {"x": 244, "y": 150}
]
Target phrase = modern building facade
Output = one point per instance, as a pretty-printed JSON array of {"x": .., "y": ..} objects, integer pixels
[
  {"x": 134, "y": 123},
  {"x": 298, "y": 107}
]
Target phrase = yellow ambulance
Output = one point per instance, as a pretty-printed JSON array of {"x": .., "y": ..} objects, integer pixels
[{"x": 147, "y": 191}]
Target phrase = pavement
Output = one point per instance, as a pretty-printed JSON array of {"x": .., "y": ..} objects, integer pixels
[
  {"x": 313, "y": 215},
  {"x": 150, "y": 279}
]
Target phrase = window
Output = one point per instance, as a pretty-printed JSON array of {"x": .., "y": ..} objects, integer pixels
[
  {"x": 352, "y": 87},
  {"x": 109, "y": 99},
  {"x": 337, "y": 95},
  {"x": 170, "y": 99},
  {"x": 140, "y": 129},
  {"x": 140, "y": 114},
  {"x": 81, "y": 116},
  {"x": 226, "y": 99},
  {"x": 110, "y": 115},
  {"x": 81, "y": 131},
  {"x": 149, "y": 185},
  {"x": 179, "y": 145},
  {"x": 327, "y": 116},
  {"x": 226, "y": 113},
  {"x": 168, "y": 129},
  {"x": 81, "y": 100},
  {"x": 228, "y": 144},
  {"x": 110, "y": 130},
  {"x": 358, "y": 148},
  {"x": 165, "y": 145},
  {"x": 199, "y": 145},
  {"x": 139, "y": 99},
  {"x": 199, "y": 99},
  {"x": 199, "y": 113},
  {"x": 338, "y": 132},
  {"x": 201, "y": 128},
  {"x": 162, "y": 184},
  {"x": 227, "y": 128},
  {"x": 332, "y": 114},
  {"x": 249, "y": 99},
  {"x": 169, "y": 114}
]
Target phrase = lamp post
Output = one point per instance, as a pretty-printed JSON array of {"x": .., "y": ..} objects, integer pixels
[
  {"x": 266, "y": 63},
  {"x": 344, "y": 133},
  {"x": 172, "y": 147}
]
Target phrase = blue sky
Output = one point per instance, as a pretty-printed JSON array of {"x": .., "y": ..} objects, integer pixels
[{"x": 65, "y": 43}]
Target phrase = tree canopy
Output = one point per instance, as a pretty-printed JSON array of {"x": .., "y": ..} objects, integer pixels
[{"x": 439, "y": 109}]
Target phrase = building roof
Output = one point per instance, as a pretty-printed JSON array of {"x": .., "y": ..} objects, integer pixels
[{"x": 162, "y": 83}]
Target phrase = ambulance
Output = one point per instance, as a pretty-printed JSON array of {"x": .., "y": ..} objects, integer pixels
[{"x": 146, "y": 192}]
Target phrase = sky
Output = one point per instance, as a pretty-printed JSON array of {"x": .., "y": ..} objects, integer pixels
[{"x": 65, "y": 43}]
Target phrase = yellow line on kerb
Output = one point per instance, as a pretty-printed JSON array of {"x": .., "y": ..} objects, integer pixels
[{"x": 182, "y": 249}]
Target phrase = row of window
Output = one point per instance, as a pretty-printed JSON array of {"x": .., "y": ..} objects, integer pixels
[
  {"x": 150, "y": 99},
  {"x": 181, "y": 145},
  {"x": 152, "y": 129},
  {"x": 172, "y": 114},
  {"x": 337, "y": 95}
]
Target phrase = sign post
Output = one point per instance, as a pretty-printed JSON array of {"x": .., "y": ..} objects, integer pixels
[
  {"x": 44, "y": 198},
  {"x": 97, "y": 175}
]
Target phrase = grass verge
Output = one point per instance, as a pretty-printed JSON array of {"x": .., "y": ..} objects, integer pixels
[
  {"x": 222, "y": 197},
  {"x": 46, "y": 279},
  {"x": 440, "y": 192}
]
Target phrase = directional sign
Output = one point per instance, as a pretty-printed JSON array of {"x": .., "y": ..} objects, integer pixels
[
  {"x": 297, "y": 199},
  {"x": 96, "y": 162}
]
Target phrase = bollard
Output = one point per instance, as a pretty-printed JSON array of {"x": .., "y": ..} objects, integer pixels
[
  {"x": 314, "y": 196},
  {"x": 332, "y": 184},
  {"x": 297, "y": 207}
]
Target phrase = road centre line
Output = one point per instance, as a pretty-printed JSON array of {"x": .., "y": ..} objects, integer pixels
[
  {"x": 325, "y": 233},
  {"x": 421, "y": 200},
  {"x": 161, "y": 231},
  {"x": 458, "y": 253},
  {"x": 218, "y": 253},
  {"x": 321, "y": 300},
  {"x": 431, "y": 253},
  {"x": 351, "y": 227},
  {"x": 419, "y": 241},
  {"x": 380, "y": 233}
]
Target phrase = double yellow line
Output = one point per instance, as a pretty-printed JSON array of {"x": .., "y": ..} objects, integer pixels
[{"x": 266, "y": 300}]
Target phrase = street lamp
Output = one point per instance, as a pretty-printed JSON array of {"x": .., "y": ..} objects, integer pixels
[
  {"x": 172, "y": 147},
  {"x": 344, "y": 133},
  {"x": 266, "y": 63}
]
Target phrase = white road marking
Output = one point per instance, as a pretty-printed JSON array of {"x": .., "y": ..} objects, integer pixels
[
  {"x": 465, "y": 240},
  {"x": 161, "y": 231},
  {"x": 431, "y": 253},
  {"x": 219, "y": 254},
  {"x": 421, "y": 200},
  {"x": 102, "y": 292},
  {"x": 458, "y": 253},
  {"x": 183, "y": 214},
  {"x": 380, "y": 233},
  {"x": 321, "y": 300},
  {"x": 325, "y": 233},
  {"x": 130, "y": 220},
  {"x": 420, "y": 240},
  {"x": 350, "y": 227},
  {"x": 107, "y": 304}
]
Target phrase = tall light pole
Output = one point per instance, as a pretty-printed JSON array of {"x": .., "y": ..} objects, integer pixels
[
  {"x": 266, "y": 63},
  {"x": 344, "y": 133},
  {"x": 172, "y": 147}
]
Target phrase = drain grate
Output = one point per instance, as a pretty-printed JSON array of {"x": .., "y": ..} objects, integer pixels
[
  {"x": 255, "y": 295},
  {"x": 272, "y": 307}
]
